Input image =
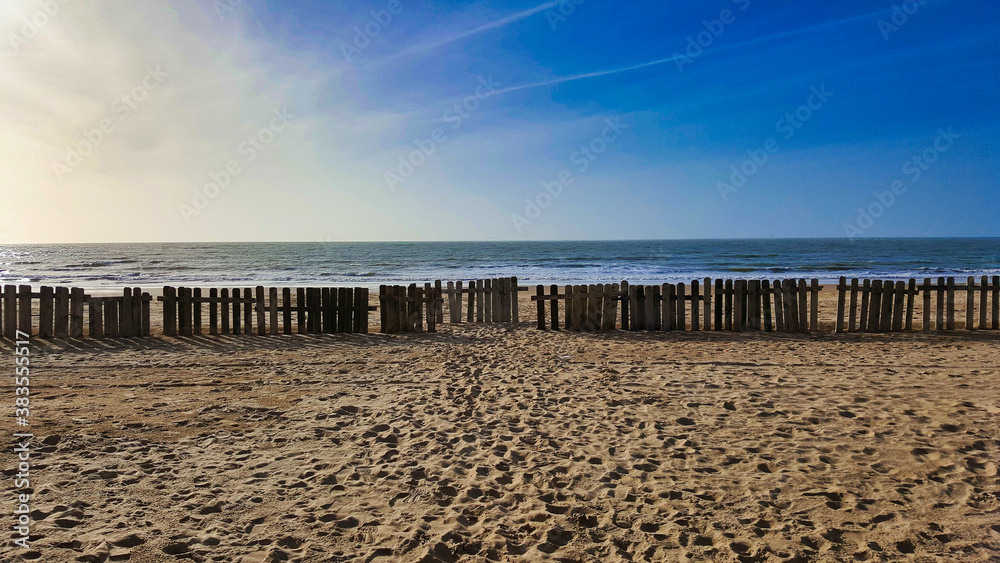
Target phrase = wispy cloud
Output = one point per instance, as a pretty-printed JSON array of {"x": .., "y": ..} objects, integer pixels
[
  {"x": 430, "y": 46},
  {"x": 674, "y": 58}
]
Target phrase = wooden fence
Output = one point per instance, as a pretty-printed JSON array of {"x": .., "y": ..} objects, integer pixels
[
  {"x": 887, "y": 306},
  {"x": 403, "y": 308},
  {"x": 63, "y": 312},
  {"x": 739, "y": 305},
  {"x": 490, "y": 301},
  {"x": 316, "y": 310}
]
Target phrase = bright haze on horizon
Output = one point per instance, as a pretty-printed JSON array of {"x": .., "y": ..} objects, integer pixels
[{"x": 230, "y": 120}]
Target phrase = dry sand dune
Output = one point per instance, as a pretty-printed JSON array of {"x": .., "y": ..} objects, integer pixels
[{"x": 511, "y": 444}]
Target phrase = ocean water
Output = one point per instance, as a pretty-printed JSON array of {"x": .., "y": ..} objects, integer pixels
[{"x": 107, "y": 266}]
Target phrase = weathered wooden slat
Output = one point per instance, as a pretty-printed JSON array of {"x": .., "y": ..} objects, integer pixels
[
  {"x": 111, "y": 328},
  {"x": 875, "y": 307},
  {"x": 624, "y": 297},
  {"x": 803, "y": 306},
  {"x": 224, "y": 304},
  {"x": 554, "y": 308},
  {"x": 183, "y": 311},
  {"x": 495, "y": 301},
  {"x": 76, "y": 299},
  {"x": 995, "y": 321},
  {"x": 96, "y": 316},
  {"x": 841, "y": 304},
  {"x": 515, "y": 307},
  {"x": 488, "y": 294},
  {"x": 729, "y": 305},
  {"x": 983, "y": 293},
  {"x": 951, "y": 303},
  {"x": 910, "y": 296},
  {"x": 24, "y": 323},
  {"x": 898, "y": 307},
  {"x": 480, "y": 301},
  {"x": 407, "y": 311},
  {"x": 865, "y": 303},
  {"x": 169, "y": 311},
  {"x": 438, "y": 304},
  {"x": 653, "y": 321},
  {"x": 145, "y": 302},
  {"x": 450, "y": 291},
  {"x": 681, "y": 307},
  {"x": 695, "y": 305},
  {"x": 940, "y": 310},
  {"x": 471, "y": 307},
  {"x": 125, "y": 314},
  {"x": 668, "y": 306},
  {"x": 343, "y": 310},
  {"x": 224, "y": 308},
  {"x": 765, "y": 294},
  {"x": 300, "y": 310},
  {"x": 286, "y": 310},
  {"x": 430, "y": 294},
  {"x": 540, "y": 306},
  {"x": 248, "y": 303},
  {"x": 707, "y": 291},
  {"x": 196, "y": 299},
  {"x": 888, "y": 296},
  {"x": 459, "y": 296},
  {"x": 753, "y": 305},
  {"x": 61, "y": 328},
  {"x": 261, "y": 309},
  {"x": 236, "y": 301},
  {"x": 45, "y": 312},
  {"x": 640, "y": 307},
  {"x": 719, "y": 302},
  {"x": 348, "y": 317},
  {"x": 213, "y": 311},
  {"x": 779, "y": 313},
  {"x": 329, "y": 310},
  {"x": 970, "y": 303},
  {"x": 926, "y": 289},
  {"x": 788, "y": 304},
  {"x": 739, "y": 314},
  {"x": 137, "y": 312},
  {"x": 814, "y": 305},
  {"x": 10, "y": 312},
  {"x": 852, "y": 322},
  {"x": 272, "y": 309},
  {"x": 570, "y": 316},
  {"x": 361, "y": 300},
  {"x": 609, "y": 313},
  {"x": 503, "y": 289},
  {"x": 383, "y": 296}
]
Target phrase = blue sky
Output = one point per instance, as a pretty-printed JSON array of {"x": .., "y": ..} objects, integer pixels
[{"x": 897, "y": 79}]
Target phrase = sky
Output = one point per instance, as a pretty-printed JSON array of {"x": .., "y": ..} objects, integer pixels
[{"x": 308, "y": 120}]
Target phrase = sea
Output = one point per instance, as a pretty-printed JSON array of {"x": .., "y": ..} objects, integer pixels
[{"x": 370, "y": 264}]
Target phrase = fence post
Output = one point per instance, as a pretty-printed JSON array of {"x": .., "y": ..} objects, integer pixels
[
  {"x": 169, "y": 311},
  {"x": 45, "y": 321},
  {"x": 196, "y": 299}
]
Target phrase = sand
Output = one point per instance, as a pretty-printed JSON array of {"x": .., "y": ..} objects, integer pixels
[{"x": 506, "y": 443}]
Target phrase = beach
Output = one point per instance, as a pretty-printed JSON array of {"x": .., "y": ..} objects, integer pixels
[{"x": 502, "y": 442}]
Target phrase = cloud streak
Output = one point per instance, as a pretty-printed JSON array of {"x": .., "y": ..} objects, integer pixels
[
  {"x": 465, "y": 34},
  {"x": 674, "y": 58}
]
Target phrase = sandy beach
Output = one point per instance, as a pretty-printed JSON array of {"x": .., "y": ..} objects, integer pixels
[{"x": 505, "y": 443}]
